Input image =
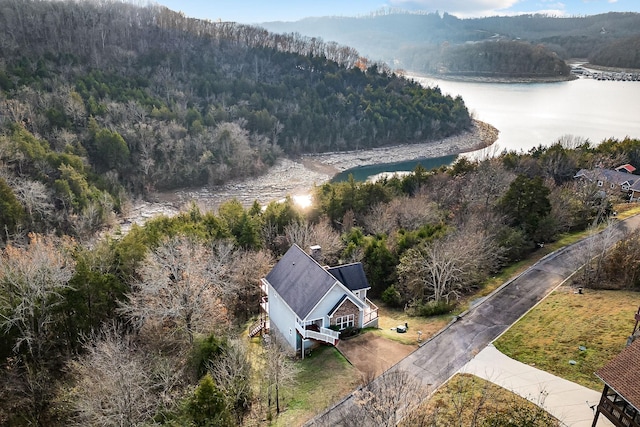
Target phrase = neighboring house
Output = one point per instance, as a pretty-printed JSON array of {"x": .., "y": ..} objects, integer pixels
[
  {"x": 626, "y": 168},
  {"x": 614, "y": 181},
  {"x": 305, "y": 301},
  {"x": 620, "y": 401}
]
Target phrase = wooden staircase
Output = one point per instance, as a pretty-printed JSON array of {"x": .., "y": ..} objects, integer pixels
[{"x": 258, "y": 328}]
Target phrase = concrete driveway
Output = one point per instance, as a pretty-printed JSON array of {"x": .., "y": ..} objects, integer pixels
[
  {"x": 449, "y": 350},
  {"x": 571, "y": 403}
]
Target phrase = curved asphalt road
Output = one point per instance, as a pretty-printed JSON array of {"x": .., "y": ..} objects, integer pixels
[{"x": 444, "y": 354}]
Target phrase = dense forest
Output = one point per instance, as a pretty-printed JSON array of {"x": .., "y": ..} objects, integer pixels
[
  {"x": 147, "y": 327},
  {"x": 100, "y": 100},
  {"x": 103, "y": 99},
  {"x": 502, "y": 59},
  {"x": 418, "y": 41}
]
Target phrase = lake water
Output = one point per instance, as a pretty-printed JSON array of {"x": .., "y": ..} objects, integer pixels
[
  {"x": 363, "y": 172},
  {"x": 532, "y": 114}
]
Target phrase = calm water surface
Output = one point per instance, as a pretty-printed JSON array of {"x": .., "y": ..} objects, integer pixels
[{"x": 532, "y": 114}]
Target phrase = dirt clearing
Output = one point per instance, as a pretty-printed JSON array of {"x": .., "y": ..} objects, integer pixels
[{"x": 372, "y": 354}]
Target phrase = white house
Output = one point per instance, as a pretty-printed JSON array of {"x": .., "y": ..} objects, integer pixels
[{"x": 308, "y": 304}]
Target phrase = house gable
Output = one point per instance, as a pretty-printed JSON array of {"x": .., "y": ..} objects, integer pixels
[
  {"x": 328, "y": 303},
  {"x": 622, "y": 374},
  {"x": 620, "y": 400},
  {"x": 300, "y": 281},
  {"x": 627, "y": 168},
  {"x": 343, "y": 310}
]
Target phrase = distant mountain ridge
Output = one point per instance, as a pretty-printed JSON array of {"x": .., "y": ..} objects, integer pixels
[
  {"x": 422, "y": 42},
  {"x": 103, "y": 99}
]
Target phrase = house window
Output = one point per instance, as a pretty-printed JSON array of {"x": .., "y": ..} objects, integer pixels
[{"x": 344, "y": 322}]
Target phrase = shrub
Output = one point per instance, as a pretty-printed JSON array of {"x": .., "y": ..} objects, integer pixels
[
  {"x": 433, "y": 308},
  {"x": 392, "y": 297}
]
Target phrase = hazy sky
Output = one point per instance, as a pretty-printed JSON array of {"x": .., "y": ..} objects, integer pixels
[{"x": 255, "y": 11}]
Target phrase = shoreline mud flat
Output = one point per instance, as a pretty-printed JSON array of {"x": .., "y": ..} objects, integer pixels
[{"x": 296, "y": 177}]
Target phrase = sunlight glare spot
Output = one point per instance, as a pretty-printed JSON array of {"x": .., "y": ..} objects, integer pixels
[{"x": 303, "y": 200}]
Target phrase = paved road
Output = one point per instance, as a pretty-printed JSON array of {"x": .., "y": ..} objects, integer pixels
[{"x": 444, "y": 354}]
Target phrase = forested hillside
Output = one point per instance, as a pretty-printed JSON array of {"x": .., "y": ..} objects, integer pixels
[
  {"x": 103, "y": 99},
  {"x": 150, "y": 327},
  {"x": 418, "y": 41},
  {"x": 502, "y": 59}
]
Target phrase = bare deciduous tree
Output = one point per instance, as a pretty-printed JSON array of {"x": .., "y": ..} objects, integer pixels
[
  {"x": 383, "y": 401},
  {"x": 306, "y": 234},
  {"x": 409, "y": 213},
  {"x": 279, "y": 373},
  {"x": 116, "y": 384},
  {"x": 232, "y": 374},
  {"x": 31, "y": 281},
  {"x": 590, "y": 256},
  {"x": 180, "y": 287},
  {"x": 241, "y": 294},
  {"x": 444, "y": 269}
]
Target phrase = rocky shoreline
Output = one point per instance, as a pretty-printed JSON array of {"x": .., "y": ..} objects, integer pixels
[
  {"x": 480, "y": 136},
  {"x": 296, "y": 177}
]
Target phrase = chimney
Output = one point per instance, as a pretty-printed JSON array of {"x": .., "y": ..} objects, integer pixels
[{"x": 316, "y": 252}]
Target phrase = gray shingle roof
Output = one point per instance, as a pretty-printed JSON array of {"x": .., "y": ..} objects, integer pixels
[
  {"x": 300, "y": 281},
  {"x": 622, "y": 374},
  {"x": 350, "y": 275},
  {"x": 608, "y": 175}
]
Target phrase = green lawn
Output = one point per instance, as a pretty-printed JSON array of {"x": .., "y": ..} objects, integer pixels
[
  {"x": 324, "y": 378},
  {"x": 552, "y": 333},
  {"x": 389, "y": 318}
]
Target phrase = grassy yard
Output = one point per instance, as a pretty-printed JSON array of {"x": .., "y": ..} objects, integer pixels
[
  {"x": 469, "y": 400},
  {"x": 324, "y": 378},
  {"x": 553, "y": 333},
  {"x": 389, "y": 318}
]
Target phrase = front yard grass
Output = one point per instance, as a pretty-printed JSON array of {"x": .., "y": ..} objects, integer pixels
[
  {"x": 324, "y": 378},
  {"x": 551, "y": 334},
  {"x": 389, "y": 318},
  {"x": 466, "y": 399}
]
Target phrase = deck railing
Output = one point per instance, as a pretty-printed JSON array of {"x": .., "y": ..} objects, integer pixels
[
  {"x": 370, "y": 313},
  {"x": 325, "y": 335}
]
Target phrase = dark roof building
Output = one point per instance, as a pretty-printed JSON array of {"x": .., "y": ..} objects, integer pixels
[
  {"x": 620, "y": 401},
  {"x": 350, "y": 275},
  {"x": 306, "y": 303},
  {"x": 300, "y": 281}
]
